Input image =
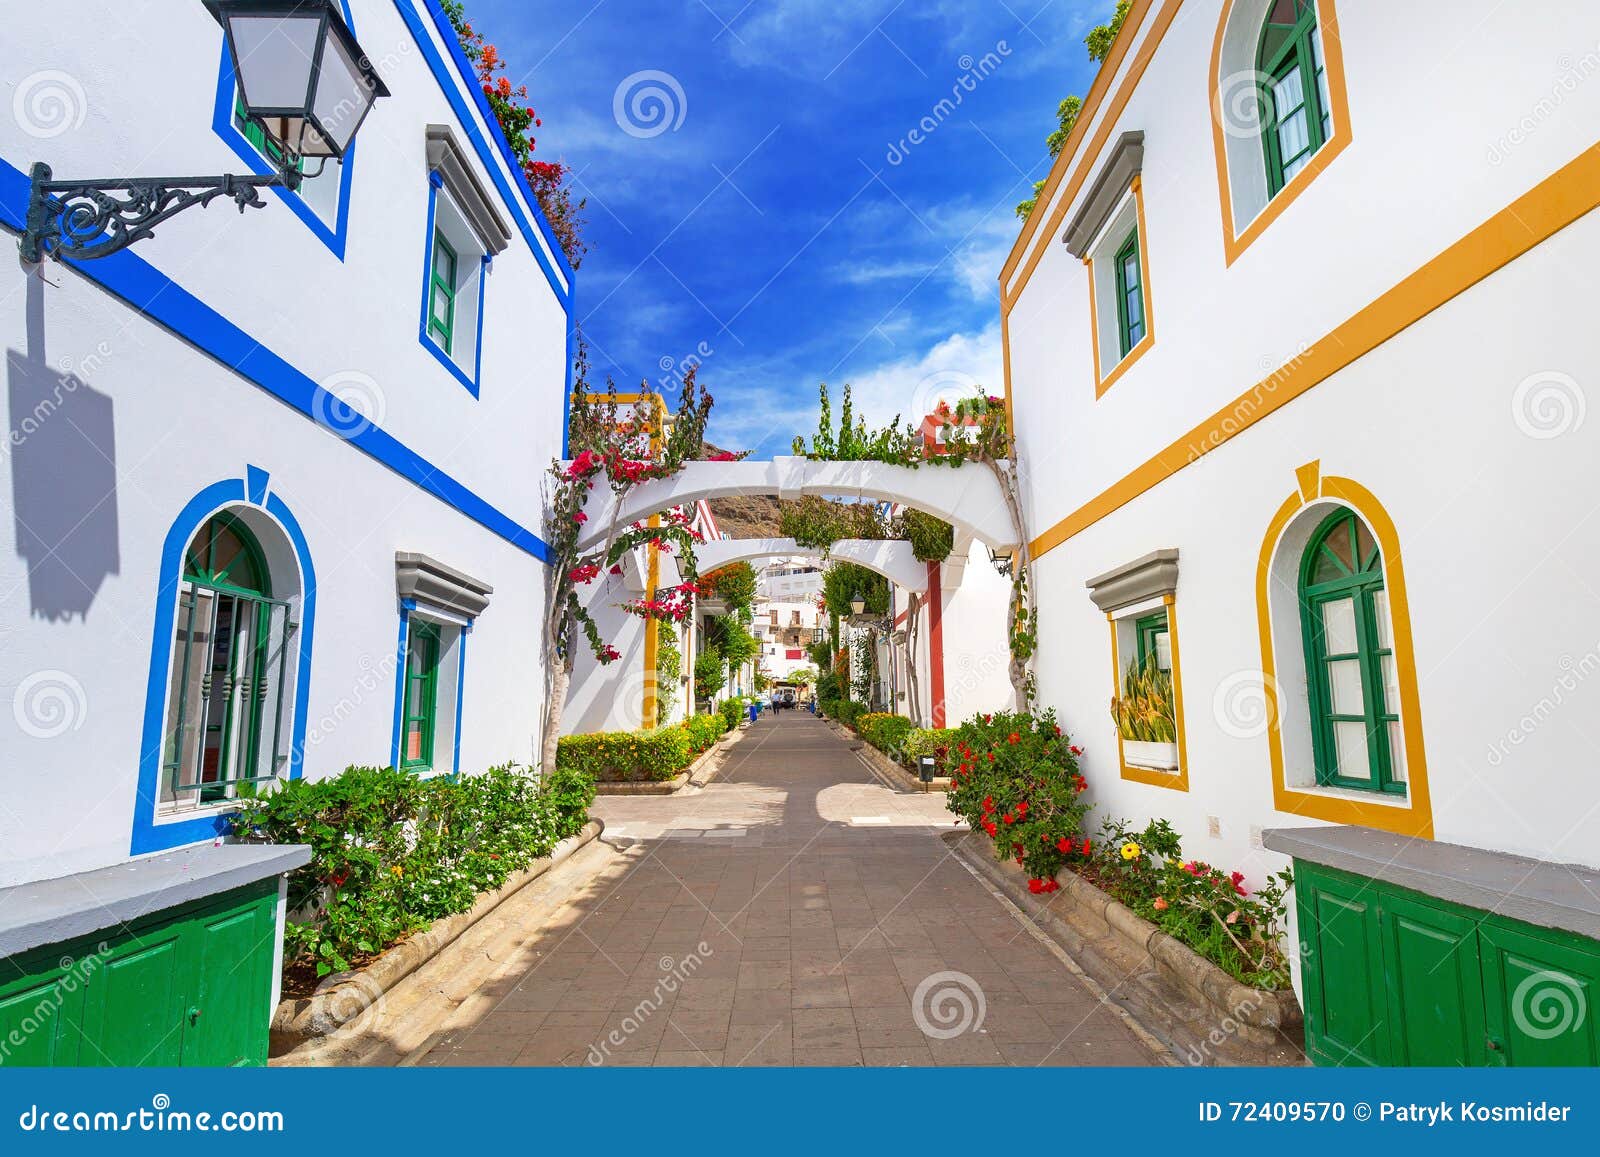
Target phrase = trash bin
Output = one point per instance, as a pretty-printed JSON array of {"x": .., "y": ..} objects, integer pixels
[{"x": 755, "y": 709}]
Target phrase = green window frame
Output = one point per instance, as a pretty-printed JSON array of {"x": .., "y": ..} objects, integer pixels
[
  {"x": 442, "y": 289},
  {"x": 1350, "y": 661},
  {"x": 1130, "y": 294},
  {"x": 1150, "y": 629},
  {"x": 230, "y": 667},
  {"x": 253, "y": 131},
  {"x": 1296, "y": 116},
  {"x": 421, "y": 702}
]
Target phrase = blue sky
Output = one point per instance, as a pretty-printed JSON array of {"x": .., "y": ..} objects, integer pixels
[{"x": 769, "y": 213}]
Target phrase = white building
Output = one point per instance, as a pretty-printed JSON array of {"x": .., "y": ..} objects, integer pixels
[
  {"x": 787, "y": 619},
  {"x": 1303, "y": 299},
  {"x": 274, "y": 476}
]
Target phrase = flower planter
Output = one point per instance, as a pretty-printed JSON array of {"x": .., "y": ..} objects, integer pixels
[
  {"x": 1149, "y": 755},
  {"x": 1201, "y": 1014}
]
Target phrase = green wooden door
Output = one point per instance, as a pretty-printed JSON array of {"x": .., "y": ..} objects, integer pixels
[
  {"x": 1435, "y": 988},
  {"x": 40, "y": 1014},
  {"x": 1540, "y": 989},
  {"x": 1392, "y": 977},
  {"x": 232, "y": 950},
  {"x": 134, "y": 1004},
  {"x": 186, "y": 986},
  {"x": 1342, "y": 968}
]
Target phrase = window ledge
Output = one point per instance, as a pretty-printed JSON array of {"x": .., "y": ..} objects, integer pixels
[
  {"x": 447, "y": 158},
  {"x": 1550, "y": 895},
  {"x": 1124, "y": 164}
]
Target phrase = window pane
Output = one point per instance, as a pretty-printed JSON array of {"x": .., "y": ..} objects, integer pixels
[
  {"x": 1397, "y": 753},
  {"x": 1339, "y": 626},
  {"x": 414, "y": 741},
  {"x": 1380, "y": 612},
  {"x": 1366, "y": 545},
  {"x": 1391, "y": 686},
  {"x": 1164, "y": 651},
  {"x": 1344, "y": 683},
  {"x": 1350, "y": 740},
  {"x": 441, "y": 307}
]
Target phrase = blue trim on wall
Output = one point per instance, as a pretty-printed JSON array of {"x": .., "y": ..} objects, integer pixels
[
  {"x": 566, "y": 397},
  {"x": 164, "y": 301},
  {"x": 477, "y": 347},
  {"x": 406, "y": 607},
  {"x": 222, "y": 124},
  {"x": 148, "y": 836},
  {"x": 435, "y": 183},
  {"x": 448, "y": 79}
]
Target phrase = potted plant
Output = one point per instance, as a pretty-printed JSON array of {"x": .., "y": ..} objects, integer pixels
[{"x": 1146, "y": 718}]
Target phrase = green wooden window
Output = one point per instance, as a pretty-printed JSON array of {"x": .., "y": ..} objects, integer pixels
[
  {"x": 253, "y": 132},
  {"x": 1295, "y": 110},
  {"x": 1154, "y": 639},
  {"x": 442, "y": 292},
  {"x": 1130, "y": 294},
  {"x": 1350, "y": 662},
  {"x": 226, "y": 695},
  {"x": 421, "y": 697}
]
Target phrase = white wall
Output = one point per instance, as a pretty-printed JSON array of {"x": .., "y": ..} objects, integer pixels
[
  {"x": 1468, "y": 426},
  {"x": 138, "y": 421}
]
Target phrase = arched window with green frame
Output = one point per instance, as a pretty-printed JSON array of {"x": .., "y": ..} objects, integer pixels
[
  {"x": 1350, "y": 663},
  {"x": 1296, "y": 116},
  {"x": 226, "y": 705}
]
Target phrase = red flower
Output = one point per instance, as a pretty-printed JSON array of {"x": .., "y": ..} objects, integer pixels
[
  {"x": 1010, "y": 819},
  {"x": 1238, "y": 884},
  {"x": 1160, "y": 904},
  {"x": 724, "y": 456},
  {"x": 1079, "y": 783},
  {"x": 1058, "y": 731},
  {"x": 580, "y": 518},
  {"x": 1075, "y": 749},
  {"x": 989, "y": 826},
  {"x": 1036, "y": 886},
  {"x": 988, "y": 804},
  {"x": 583, "y": 574},
  {"x": 991, "y": 757},
  {"x": 1085, "y": 848},
  {"x": 1064, "y": 845},
  {"x": 988, "y": 718},
  {"x": 1022, "y": 808},
  {"x": 1013, "y": 739}
]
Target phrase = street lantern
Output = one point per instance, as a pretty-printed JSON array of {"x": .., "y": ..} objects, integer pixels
[
  {"x": 302, "y": 77},
  {"x": 301, "y": 73},
  {"x": 858, "y": 604}
]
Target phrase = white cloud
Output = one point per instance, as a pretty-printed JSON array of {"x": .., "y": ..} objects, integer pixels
[{"x": 954, "y": 368}]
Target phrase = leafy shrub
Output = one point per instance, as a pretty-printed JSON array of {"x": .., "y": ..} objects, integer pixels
[
  {"x": 710, "y": 673},
  {"x": 1015, "y": 777},
  {"x": 704, "y": 730},
  {"x": 733, "y": 712},
  {"x": 920, "y": 741},
  {"x": 829, "y": 688},
  {"x": 1210, "y": 911},
  {"x": 626, "y": 756},
  {"x": 885, "y": 731},
  {"x": 848, "y": 711},
  {"x": 390, "y": 853}
]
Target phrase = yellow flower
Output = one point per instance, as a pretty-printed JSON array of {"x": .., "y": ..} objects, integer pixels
[
  {"x": 1130, "y": 851},
  {"x": 398, "y": 870}
]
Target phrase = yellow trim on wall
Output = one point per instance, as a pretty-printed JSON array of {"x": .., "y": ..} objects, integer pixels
[
  {"x": 1101, "y": 385},
  {"x": 1178, "y": 780},
  {"x": 1415, "y": 820},
  {"x": 1136, "y": 71},
  {"x": 1064, "y": 159},
  {"x": 1235, "y": 242},
  {"x": 1547, "y": 208}
]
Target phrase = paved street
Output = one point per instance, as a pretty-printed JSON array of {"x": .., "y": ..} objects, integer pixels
[{"x": 795, "y": 911}]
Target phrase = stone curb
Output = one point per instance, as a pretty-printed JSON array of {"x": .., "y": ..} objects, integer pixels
[
  {"x": 676, "y": 783},
  {"x": 1259, "y": 1026},
  {"x": 326, "y": 1011}
]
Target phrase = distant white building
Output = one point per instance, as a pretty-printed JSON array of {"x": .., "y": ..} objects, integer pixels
[{"x": 787, "y": 619}]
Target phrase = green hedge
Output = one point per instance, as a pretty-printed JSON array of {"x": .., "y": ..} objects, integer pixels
[
  {"x": 733, "y": 711},
  {"x": 886, "y": 732},
  {"x": 627, "y": 756},
  {"x": 847, "y": 711},
  {"x": 704, "y": 730},
  {"x": 391, "y": 853}
]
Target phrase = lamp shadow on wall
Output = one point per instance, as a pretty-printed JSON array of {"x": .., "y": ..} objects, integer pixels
[{"x": 61, "y": 441}]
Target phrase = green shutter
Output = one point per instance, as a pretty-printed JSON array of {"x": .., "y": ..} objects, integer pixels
[
  {"x": 1130, "y": 294},
  {"x": 1154, "y": 639},
  {"x": 421, "y": 697},
  {"x": 442, "y": 292}
]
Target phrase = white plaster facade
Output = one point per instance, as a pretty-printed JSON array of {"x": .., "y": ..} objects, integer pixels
[
  {"x": 273, "y": 366},
  {"x": 1392, "y": 321}
]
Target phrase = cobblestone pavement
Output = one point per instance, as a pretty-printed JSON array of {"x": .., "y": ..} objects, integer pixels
[{"x": 796, "y": 911}]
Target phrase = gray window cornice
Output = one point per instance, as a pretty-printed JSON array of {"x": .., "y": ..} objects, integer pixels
[
  {"x": 432, "y": 583},
  {"x": 447, "y": 158},
  {"x": 1124, "y": 164},
  {"x": 1147, "y": 577}
]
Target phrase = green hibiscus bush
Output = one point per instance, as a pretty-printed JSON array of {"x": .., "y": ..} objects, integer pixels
[
  {"x": 627, "y": 756},
  {"x": 885, "y": 731},
  {"x": 1015, "y": 777}
]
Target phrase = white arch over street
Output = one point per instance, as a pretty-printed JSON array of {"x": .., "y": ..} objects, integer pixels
[
  {"x": 969, "y": 497},
  {"x": 892, "y": 558}
]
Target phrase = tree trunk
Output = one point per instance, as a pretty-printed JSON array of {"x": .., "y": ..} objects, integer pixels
[
  {"x": 1022, "y": 595},
  {"x": 554, "y": 701},
  {"x": 913, "y": 608}
]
